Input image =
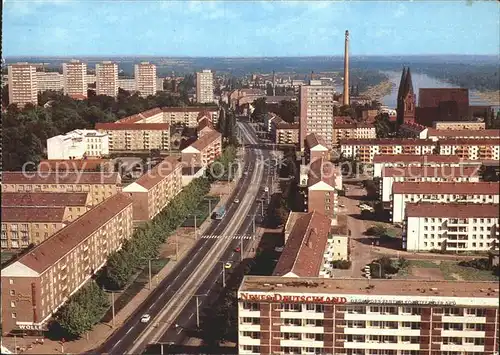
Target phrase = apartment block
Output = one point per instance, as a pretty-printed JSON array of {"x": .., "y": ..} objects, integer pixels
[
  {"x": 471, "y": 148},
  {"x": 440, "y": 192},
  {"x": 319, "y": 184},
  {"x": 365, "y": 149},
  {"x": 23, "y": 84},
  {"x": 136, "y": 136},
  {"x": 452, "y": 227},
  {"x": 393, "y": 160},
  {"x": 391, "y": 175},
  {"x": 283, "y": 132},
  {"x": 52, "y": 81},
  {"x": 315, "y": 148},
  {"x": 345, "y": 316},
  {"x": 203, "y": 127},
  {"x": 75, "y": 78},
  {"x": 155, "y": 189},
  {"x": 100, "y": 186},
  {"x": 145, "y": 78},
  {"x": 38, "y": 283},
  {"x": 189, "y": 116},
  {"x": 107, "y": 78},
  {"x": 349, "y": 129},
  {"x": 78, "y": 144},
  {"x": 458, "y": 125},
  {"x": 32, "y": 217},
  {"x": 316, "y": 104},
  {"x": 127, "y": 84},
  {"x": 204, "y": 150},
  {"x": 304, "y": 251},
  {"x": 205, "y": 87}
]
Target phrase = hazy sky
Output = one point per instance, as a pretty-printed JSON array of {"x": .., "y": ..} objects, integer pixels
[{"x": 247, "y": 28}]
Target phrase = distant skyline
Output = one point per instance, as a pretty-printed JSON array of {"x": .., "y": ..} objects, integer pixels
[{"x": 248, "y": 28}]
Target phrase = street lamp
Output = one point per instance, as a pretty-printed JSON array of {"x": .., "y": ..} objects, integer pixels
[
  {"x": 149, "y": 270},
  {"x": 198, "y": 308},
  {"x": 112, "y": 303}
]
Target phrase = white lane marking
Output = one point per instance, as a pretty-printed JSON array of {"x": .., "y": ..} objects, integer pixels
[
  {"x": 118, "y": 342},
  {"x": 129, "y": 329},
  {"x": 232, "y": 254},
  {"x": 191, "y": 316},
  {"x": 179, "y": 331}
]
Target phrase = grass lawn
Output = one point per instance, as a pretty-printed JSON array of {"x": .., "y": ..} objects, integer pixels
[
  {"x": 450, "y": 270},
  {"x": 6, "y": 256},
  {"x": 201, "y": 212}
]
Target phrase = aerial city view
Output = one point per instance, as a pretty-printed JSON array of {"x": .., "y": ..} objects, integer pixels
[{"x": 250, "y": 177}]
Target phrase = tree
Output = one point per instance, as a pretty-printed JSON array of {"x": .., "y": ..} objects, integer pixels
[
  {"x": 383, "y": 126},
  {"x": 5, "y": 96},
  {"x": 288, "y": 110},
  {"x": 260, "y": 110}
]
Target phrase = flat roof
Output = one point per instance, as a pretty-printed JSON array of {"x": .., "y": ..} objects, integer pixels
[
  {"x": 391, "y": 287},
  {"x": 452, "y": 210}
]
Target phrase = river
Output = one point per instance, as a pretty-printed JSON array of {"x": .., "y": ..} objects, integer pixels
[{"x": 424, "y": 81}]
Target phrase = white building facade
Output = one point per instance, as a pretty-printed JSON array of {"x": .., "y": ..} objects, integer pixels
[
  {"x": 75, "y": 78},
  {"x": 345, "y": 317},
  {"x": 145, "y": 78},
  {"x": 49, "y": 81},
  {"x": 23, "y": 84},
  {"x": 78, "y": 144},
  {"x": 453, "y": 227},
  {"x": 440, "y": 192},
  {"x": 107, "y": 78},
  {"x": 205, "y": 86}
]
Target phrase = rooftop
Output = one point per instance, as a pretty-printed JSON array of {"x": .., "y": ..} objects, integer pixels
[
  {"x": 431, "y": 171},
  {"x": 452, "y": 210},
  {"x": 313, "y": 139},
  {"x": 133, "y": 126},
  {"x": 32, "y": 214},
  {"x": 158, "y": 173},
  {"x": 203, "y": 142},
  {"x": 190, "y": 109},
  {"x": 351, "y": 286},
  {"x": 387, "y": 141},
  {"x": 43, "y": 199},
  {"x": 464, "y": 133},
  {"x": 468, "y": 141},
  {"x": 73, "y": 164},
  {"x": 305, "y": 247},
  {"x": 449, "y": 188},
  {"x": 15, "y": 177},
  {"x": 61, "y": 243},
  {"x": 321, "y": 170}
]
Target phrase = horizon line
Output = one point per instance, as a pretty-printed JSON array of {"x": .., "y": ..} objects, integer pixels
[{"x": 245, "y": 57}]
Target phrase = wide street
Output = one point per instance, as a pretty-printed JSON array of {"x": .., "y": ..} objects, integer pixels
[{"x": 172, "y": 301}]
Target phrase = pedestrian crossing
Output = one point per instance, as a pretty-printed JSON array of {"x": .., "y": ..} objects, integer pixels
[{"x": 216, "y": 236}]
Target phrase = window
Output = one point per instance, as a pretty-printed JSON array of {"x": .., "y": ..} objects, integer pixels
[
  {"x": 12, "y": 292},
  {"x": 11, "y": 282},
  {"x": 14, "y": 315}
]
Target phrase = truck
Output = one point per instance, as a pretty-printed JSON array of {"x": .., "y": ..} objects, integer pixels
[{"x": 220, "y": 213}]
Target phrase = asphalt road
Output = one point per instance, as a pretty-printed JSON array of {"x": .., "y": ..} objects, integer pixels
[
  {"x": 125, "y": 336},
  {"x": 213, "y": 284}
]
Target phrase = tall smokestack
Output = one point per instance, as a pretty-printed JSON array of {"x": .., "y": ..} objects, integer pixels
[
  {"x": 274, "y": 84},
  {"x": 346, "y": 69}
]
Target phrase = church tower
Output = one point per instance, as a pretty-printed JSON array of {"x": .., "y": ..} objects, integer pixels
[{"x": 407, "y": 100}]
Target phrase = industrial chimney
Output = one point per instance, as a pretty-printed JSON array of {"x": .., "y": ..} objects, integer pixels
[{"x": 346, "y": 70}]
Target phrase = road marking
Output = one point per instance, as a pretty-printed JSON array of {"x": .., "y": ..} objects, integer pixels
[
  {"x": 191, "y": 316},
  {"x": 232, "y": 254},
  {"x": 129, "y": 329},
  {"x": 179, "y": 331},
  {"x": 118, "y": 342},
  {"x": 216, "y": 236}
]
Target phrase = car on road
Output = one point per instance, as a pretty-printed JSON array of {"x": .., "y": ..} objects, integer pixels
[
  {"x": 245, "y": 173},
  {"x": 266, "y": 189},
  {"x": 236, "y": 200},
  {"x": 227, "y": 265},
  {"x": 237, "y": 249},
  {"x": 145, "y": 318}
]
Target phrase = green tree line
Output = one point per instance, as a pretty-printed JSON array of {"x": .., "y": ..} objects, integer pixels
[{"x": 25, "y": 131}]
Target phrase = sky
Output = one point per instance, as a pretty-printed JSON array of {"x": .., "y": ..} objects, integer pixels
[{"x": 248, "y": 28}]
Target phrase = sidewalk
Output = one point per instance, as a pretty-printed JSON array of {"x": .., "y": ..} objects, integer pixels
[{"x": 102, "y": 331}]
